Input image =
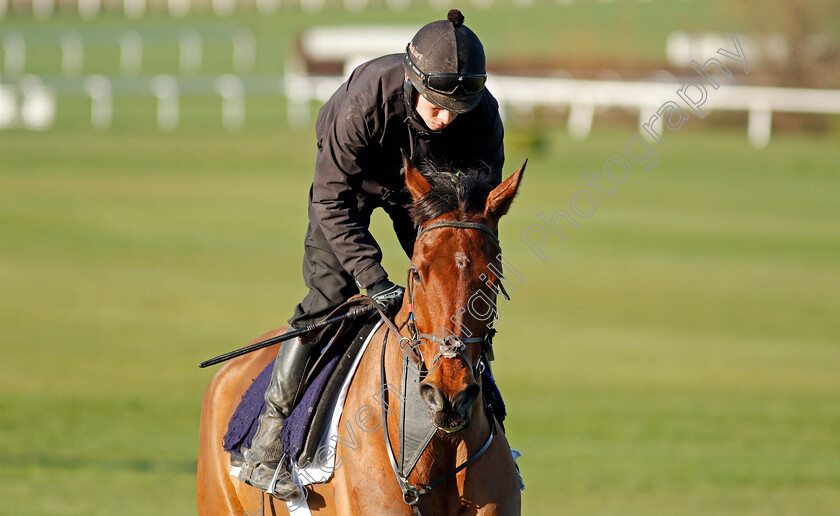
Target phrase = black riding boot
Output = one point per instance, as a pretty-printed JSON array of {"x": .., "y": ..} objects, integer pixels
[{"x": 263, "y": 457}]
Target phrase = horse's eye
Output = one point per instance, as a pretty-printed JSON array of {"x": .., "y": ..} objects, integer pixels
[{"x": 416, "y": 275}]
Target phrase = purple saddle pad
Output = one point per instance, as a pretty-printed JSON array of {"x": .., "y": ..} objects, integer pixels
[{"x": 243, "y": 423}]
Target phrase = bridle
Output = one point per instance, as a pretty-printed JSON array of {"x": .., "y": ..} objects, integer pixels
[{"x": 448, "y": 347}]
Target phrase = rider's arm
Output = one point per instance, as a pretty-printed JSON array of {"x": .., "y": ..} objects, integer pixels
[{"x": 343, "y": 157}]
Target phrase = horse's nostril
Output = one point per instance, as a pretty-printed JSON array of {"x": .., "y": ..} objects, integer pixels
[
  {"x": 464, "y": 399},
  {"x": 432, "y": 396}
]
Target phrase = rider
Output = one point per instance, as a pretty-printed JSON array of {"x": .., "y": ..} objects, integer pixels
[{"x": 430, "y": 103}]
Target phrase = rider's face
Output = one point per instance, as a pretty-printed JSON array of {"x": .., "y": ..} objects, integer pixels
[{"x": 434, "y": 117}]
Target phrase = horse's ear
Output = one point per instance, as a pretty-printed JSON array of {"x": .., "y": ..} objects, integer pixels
[
  {"x": 417, "y": 185},
  {"x": 500, "y": 199}
]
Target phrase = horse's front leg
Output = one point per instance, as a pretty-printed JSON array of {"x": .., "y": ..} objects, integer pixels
[{"x": 491, "y": 485}]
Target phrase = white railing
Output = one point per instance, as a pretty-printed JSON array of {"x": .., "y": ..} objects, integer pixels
[
  {"x": 584, "y": 97},
  {"x": 350, "y": 46},
  {"x": 189, "y": 40},
  {"x": 32, "y": 105},
  {"x": 645, "y": 97},
  {"x": 34, "y": 95},
  {"x": 90, "y": 9},
  {"x": 30, "y": 102}
]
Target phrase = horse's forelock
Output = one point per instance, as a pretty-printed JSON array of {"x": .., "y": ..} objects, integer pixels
[{"x": 461, "y": 191}]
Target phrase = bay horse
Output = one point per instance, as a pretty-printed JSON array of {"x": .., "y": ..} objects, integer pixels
[{"x": 456, "y": 255}]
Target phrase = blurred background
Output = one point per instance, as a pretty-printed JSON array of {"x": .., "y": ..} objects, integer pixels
[{"x": 678, "y": 354}]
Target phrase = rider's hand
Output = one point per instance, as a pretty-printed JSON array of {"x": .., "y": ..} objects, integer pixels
[{"x": 387, "y": 296}]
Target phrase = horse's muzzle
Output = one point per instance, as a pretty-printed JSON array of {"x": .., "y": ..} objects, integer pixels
[{"x": 450, "y": 415}]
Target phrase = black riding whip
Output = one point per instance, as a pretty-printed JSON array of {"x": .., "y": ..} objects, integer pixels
[{"x": 286, "y": 336}]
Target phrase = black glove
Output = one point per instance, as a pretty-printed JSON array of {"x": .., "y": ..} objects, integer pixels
[{"x": 387, "y": 296}]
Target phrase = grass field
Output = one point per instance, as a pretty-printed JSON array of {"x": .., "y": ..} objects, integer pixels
[{"x": 677, "y": 355}]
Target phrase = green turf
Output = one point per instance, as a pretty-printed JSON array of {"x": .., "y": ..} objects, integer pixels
[{"x": 676, "y": 355}]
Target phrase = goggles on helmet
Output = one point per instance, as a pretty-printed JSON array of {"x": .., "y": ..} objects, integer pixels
[{"x": 449, "y": 83}]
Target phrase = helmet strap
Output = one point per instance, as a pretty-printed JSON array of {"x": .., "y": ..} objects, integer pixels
[{"x": 410, "y": 97}]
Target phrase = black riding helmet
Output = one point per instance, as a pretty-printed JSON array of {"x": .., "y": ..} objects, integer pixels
[{"x": 445, "y": 63}]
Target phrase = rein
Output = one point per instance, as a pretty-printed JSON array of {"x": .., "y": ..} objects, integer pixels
[{"x": 448, "y": 347}]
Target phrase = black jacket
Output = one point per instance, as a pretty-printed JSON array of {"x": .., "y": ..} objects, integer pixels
[{"x": 360, "y": 131}]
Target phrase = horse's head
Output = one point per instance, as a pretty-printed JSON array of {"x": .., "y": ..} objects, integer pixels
[{"x": 455, "y": 268}]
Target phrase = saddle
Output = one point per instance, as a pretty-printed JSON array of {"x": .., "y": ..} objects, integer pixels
[{"x": 341, "y": 342}]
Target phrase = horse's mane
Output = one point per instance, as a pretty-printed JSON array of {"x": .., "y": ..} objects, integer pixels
[{"x": 463, "y": 191}]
